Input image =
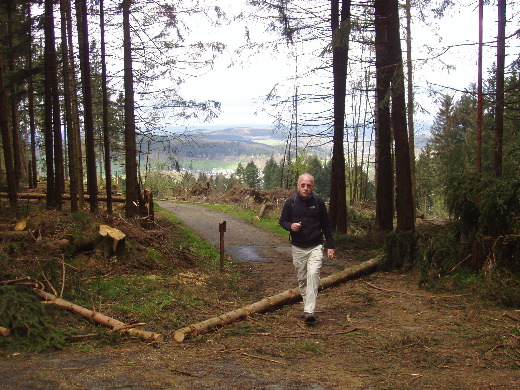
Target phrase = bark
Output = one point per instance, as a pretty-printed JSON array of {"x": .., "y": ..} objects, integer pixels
[
  {"x": 274, "y": 301},
  {"x": 411, "y": 105},
  {"x": 132, "y": 186},
  {"x": 33, "y": 182},
  {"x": 49, "y": 138},
  {"x": 76, "y": 135},
  {"x": 340, "y": 25},
  {"x": 13, "y": 103},
  {"x": 499, "y": 104},
  {"x": 106, "y": 135},
  {"x": 384, "y": 171},
  {"x": 59, "y": 174},
  {"x": 479, "y": 87},
  {"x": 73, "y": 183},
  {"x": 83, "y": 39},
  {"x": 405, "y": 208},
  {"x": 99, "y": 318}
]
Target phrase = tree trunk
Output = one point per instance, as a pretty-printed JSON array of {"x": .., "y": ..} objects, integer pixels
[
  {"x": 6, "y": 141},
  {"x": 479, "y": 86},
  {"x": 340, "y": 26},
  {"x": 411, "y": 104},
  {"x": 404, "y": 201},
  {"x": 73, "y": 179},
  {"x": 106, "y": 134},
  {"x": 83, "y": 39},
  {"x": 49, "y": 138},
  {"x": 33, "y": 183},
  {"x": 132, "y": 186},
  {"x": 59, "y": 175},
  {"x": 272, "y": 302},
  {"x": 76, "y": 135},
  {"x": 99, "y": 318},
  {"x": 384, "y": 171},
  {"x": 499, "y": 104},
  {"x": 13, "y": 102}
]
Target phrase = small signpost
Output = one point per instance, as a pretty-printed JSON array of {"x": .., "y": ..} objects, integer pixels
[{"x": 222, "y": 230}]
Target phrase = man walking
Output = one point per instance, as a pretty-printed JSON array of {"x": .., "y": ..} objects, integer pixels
[{"x": 305, "y": 216}]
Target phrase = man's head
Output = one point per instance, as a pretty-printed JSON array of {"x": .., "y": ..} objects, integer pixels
[{"x": 305, "y": 185}]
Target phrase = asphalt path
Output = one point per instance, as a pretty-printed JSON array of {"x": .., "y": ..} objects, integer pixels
[{"x": 243, "y": 241}]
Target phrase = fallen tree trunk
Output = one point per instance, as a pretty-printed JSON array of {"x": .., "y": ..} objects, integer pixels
[
  {"x": 283, "y": 298},
  {"x": 99, "y": 318}
]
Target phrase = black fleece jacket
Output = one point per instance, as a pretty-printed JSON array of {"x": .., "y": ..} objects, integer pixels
[{"x": 312, "y": 213}]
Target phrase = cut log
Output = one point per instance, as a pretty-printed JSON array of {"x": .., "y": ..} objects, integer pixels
[
  {"x": 99, "y": 318},
  {"x": 4, "y": 331},
  {"x": 272, "y": 302},
  {"x": 114, "y": 237}
]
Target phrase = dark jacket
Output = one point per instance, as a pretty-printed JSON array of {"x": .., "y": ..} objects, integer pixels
[{"x": 312, "y": 213}]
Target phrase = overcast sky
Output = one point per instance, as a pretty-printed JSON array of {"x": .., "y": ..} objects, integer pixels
[{"x": 241, "y": 89}]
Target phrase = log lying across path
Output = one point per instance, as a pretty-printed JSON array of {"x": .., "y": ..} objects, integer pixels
[
  {"x": 115, "y": 325},
  {"x": 283, "y": 298}
]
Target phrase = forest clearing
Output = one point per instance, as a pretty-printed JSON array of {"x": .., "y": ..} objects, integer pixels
[{"x": 380, "y": 330}]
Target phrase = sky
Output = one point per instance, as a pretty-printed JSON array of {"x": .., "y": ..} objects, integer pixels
[{"x": 240, "y": 89}]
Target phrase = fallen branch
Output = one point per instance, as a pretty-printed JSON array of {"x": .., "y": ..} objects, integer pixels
[
  {"x": 414, "y": 295},
  {"x": 99, "y": 318},
  {"x": 511, "y": 316},
  {"x": 262, "y": 358},
  {"x": 269, "y": 303}
]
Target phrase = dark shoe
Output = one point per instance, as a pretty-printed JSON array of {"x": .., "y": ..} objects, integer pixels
[{"x": 309, "y": 318}]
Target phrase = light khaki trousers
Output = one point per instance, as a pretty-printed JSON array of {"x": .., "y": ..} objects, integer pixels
[{"x": 307, "y": 262}]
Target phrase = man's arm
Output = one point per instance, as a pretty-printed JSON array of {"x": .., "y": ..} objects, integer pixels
[{"x": 285, "y": 220}]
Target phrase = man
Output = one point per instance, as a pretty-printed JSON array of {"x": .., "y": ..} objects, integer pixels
[{"x": 305, "y": 216}]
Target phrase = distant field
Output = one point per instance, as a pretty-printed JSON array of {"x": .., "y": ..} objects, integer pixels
[{"x": 208, "y": 165}]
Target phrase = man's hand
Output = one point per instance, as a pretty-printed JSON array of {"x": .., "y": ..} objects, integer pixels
[
  {"x": 331, "y": 253},
  {"x": 296, "y": 226}
]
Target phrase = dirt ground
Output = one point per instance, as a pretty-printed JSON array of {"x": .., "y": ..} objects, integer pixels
[{"x": 379, "y": 331}]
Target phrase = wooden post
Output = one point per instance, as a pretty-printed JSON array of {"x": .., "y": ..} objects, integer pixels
[{"x": 222, "y": 230}]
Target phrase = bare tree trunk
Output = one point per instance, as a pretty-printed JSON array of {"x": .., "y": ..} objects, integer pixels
[
  {"x": 106, "y": 134},
  {"x": 283, "y": 298},
  {"x": 48, "y": 106},
  {"x": 33, "y": 183},
  {"x": 411, "y": 105},
  {"x": 479, "y": 86},
  {"x": 6, "y": 141},
  {"x": 73, "y": 171},
  {"x": 59, "y": 176},
  {"x": 132, "y": 186},
  {"x": 499, "y": 104},
  {"x": 384, "y": 171},
  {"x": 404, "y": 200},
  {"x": 99, "y": 318},
  {"x": 81, "y": 15},
  {"x": 13, "y": 103},
  {"x": 340, "y": 25},
  {"x": 76, "y": 135}
]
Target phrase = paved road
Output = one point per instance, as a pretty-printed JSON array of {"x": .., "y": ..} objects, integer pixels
[{"x": 243, "y": 241}]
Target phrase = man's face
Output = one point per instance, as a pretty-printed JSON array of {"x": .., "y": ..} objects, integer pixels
[{"x": 305, "y": 186}]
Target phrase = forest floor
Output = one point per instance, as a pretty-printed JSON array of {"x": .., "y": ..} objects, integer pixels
[{"x": 378, "y": 331}]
